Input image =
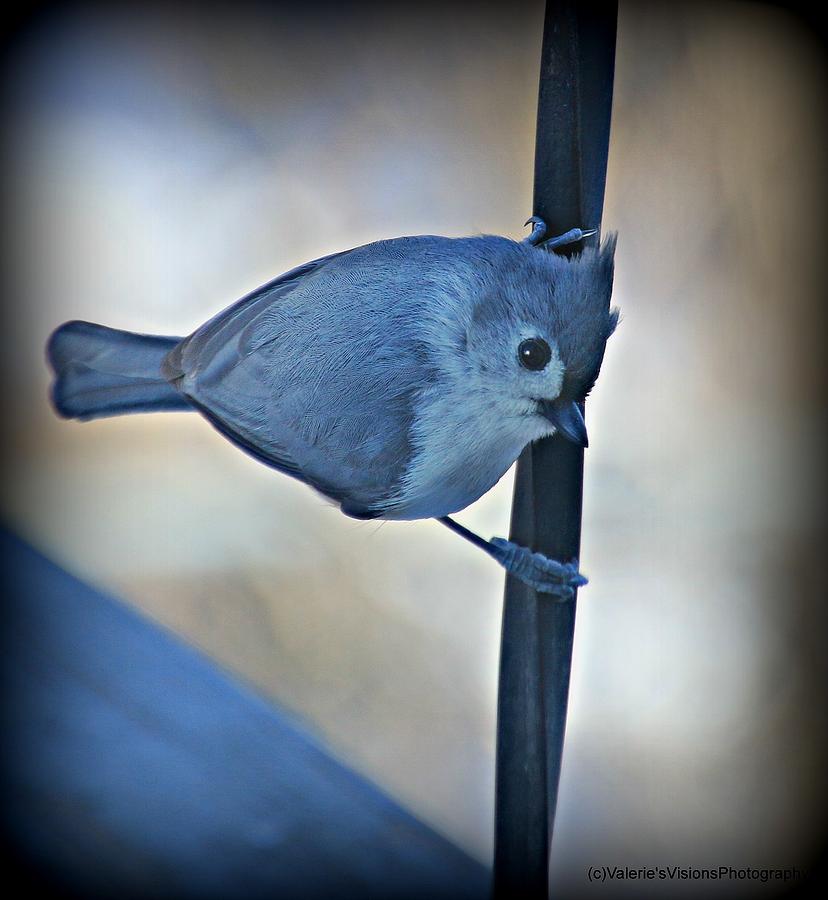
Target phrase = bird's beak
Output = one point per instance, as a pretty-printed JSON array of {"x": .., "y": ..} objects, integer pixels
[{"x": 568, "y": 420}]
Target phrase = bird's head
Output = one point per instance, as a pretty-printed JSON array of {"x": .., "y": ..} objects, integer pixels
[{"x": 539, "y": 329}]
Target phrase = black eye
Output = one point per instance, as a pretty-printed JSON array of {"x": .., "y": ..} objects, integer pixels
[{"x": 534, "y": 354}]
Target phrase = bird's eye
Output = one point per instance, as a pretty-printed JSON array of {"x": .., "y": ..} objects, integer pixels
[{"x": 534, "y": 354}]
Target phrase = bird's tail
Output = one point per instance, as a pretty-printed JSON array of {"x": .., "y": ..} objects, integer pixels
[{"x": 105, "y": 372}]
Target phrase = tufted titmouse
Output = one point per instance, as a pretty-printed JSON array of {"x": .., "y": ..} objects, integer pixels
[{"x": 401, "y": 379}]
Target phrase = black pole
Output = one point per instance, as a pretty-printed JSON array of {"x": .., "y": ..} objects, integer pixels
[{"x": 574, "y": 104}]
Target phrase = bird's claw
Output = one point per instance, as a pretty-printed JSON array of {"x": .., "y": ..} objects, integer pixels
[
  {"x": 569, "y": 237},
  {"x": 548, "y": 576},
  {"x": 538, "y": 231},
  {"x": 538, "y": 236}
]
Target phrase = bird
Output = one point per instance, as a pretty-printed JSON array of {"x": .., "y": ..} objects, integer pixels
[{"x": 400, "y": 379}]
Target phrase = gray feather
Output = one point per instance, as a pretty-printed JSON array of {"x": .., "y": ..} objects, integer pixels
[
  {"x": 106, "y": 372},
  {"x": 320, "y": 375}
]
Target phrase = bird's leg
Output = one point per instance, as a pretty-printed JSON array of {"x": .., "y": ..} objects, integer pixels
[
  {"x": 538, "y": 236},
  {"x": 538, "y": 571}
]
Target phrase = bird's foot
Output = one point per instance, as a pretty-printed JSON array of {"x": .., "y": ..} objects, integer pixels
[
  {"x": 548, "y": 576},
  {"x": 538, "y": 231},
  {"x": 538, "y": 236}
]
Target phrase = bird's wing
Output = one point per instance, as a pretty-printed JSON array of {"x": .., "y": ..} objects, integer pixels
[
  {"x": 208, "y": 340},
  {"x": 316, "y": 375},
  {"x": 213, "y": 341}
]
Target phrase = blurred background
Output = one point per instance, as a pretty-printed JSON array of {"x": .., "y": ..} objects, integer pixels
[{"x": 163, "y": 161}]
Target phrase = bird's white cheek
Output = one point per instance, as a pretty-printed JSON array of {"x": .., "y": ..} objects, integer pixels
[{"x": 551, "y": 380}]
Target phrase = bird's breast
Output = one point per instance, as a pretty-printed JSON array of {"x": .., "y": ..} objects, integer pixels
[{"x": 460, "y": 452}]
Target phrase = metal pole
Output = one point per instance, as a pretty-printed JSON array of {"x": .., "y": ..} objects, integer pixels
[{"x": 574, "y": 104}]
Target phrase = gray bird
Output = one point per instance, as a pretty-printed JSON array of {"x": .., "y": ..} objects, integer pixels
[{"x": 400, "y": 379}]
